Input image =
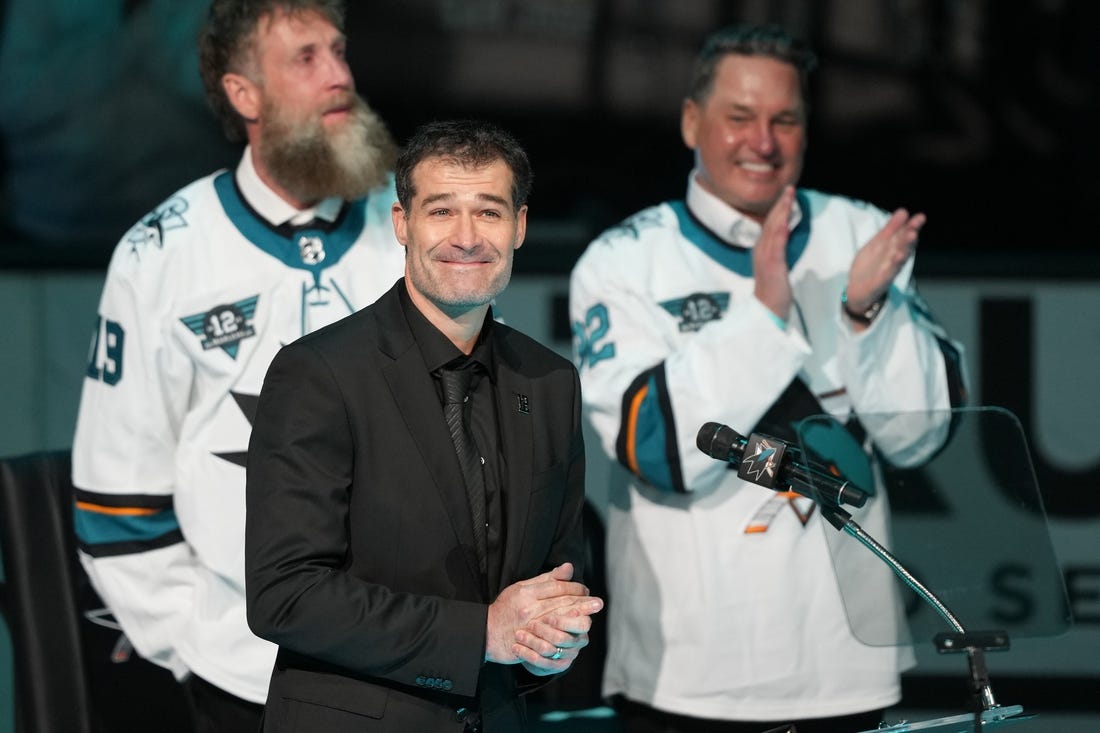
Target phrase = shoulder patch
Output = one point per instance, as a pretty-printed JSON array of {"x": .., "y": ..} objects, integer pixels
[
  {"x": 224, "y": 326},
  {"x": 633, "y": 225},
  {"x": 698, "y": 309},
  {"x": 149, "y": 232}
]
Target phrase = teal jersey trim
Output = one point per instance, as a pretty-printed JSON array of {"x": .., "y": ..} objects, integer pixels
[
  {"x": 336, "y": 242},
  {"x": 650, "y": 439},
  {"x": 739, "y": 259},
  {"x": 656, "y": 456},
  {"x": 95, "y": 528}
]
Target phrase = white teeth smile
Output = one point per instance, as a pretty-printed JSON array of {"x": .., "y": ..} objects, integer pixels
[{"x": 756, "y": 167}]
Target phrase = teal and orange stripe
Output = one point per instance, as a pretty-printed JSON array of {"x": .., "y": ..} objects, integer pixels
[
  {"x": 647, "y": 437},
  {"x": 632, "y": 429},
  {"x": 133, "y": 511},
  {"x": 120, "y": 525}
]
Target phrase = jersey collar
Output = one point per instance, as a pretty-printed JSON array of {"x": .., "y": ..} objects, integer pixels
[
  {"x": 269, "y": 205},
  {"x": 726, "y": 222}
]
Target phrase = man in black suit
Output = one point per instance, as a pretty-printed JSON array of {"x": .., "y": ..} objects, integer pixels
[{"x": 393, "y": 608}]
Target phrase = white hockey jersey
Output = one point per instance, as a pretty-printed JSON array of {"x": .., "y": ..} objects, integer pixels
[
  {"x": 199, "y": 297},
  {"x": 722, "y": 596}
]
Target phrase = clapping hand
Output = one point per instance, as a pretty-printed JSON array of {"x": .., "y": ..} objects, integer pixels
[{"x": 881, "y": 259}]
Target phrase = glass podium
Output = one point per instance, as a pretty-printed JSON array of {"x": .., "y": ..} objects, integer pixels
[{"x": 933, "y": 554}]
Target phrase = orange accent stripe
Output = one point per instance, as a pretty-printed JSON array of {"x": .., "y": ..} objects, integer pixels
[
  {"x": 117, "y": 511},
  {"x": 632, "y": 429},
  {"x": 756, "y": 529}
]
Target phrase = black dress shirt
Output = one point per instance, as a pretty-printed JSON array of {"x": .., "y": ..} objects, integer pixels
[{"x": 481, "y": 416}]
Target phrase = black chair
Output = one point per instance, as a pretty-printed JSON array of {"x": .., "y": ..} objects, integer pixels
[{"x": 69, "y": 675}]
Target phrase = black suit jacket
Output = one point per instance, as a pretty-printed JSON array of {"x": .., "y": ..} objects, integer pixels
[{"x": 360, "y": 559}]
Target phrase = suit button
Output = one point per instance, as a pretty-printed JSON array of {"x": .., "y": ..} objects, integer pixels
[
  {"x": 421, "y": 681},
  {"x": 462, "y": 714},
  {"x": 448, "y": 685}
]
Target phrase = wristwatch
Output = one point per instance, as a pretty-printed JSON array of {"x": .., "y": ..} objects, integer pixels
[{"x": 865, "y": 317}]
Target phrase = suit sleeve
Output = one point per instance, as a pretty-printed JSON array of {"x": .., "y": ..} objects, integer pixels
[
  {"x": 299, "y": 594},
  {"x": 570, "y": 546},
  {"x": 569, "y": 541},
  {"x": 124, "y": 455}
]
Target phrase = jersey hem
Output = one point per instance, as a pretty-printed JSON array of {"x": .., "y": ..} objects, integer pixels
[{"x": 218, "y": 676}]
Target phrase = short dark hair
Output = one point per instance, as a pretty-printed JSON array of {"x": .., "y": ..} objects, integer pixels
[
  {"x": 470, "y": 143},
  {"x": 750, "y": 40},
  {"x": 226, "y": 43}
]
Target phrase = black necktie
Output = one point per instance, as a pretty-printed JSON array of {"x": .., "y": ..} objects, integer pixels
[{"x": 456, "y": 386}]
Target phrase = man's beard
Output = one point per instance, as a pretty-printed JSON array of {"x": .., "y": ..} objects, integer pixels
[{"x": 312, "y": 163}]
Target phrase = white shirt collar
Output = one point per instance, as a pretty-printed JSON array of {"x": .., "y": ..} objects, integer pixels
[
  {"x": 271, "y": 206},
  {"x": 731, "y": 226}
]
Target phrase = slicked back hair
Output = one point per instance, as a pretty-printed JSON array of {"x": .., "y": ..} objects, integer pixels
[
  {"x": 767, "y": 40},
  {"x": 227, "y": 44},
  {"x": 469, "y": 143}
]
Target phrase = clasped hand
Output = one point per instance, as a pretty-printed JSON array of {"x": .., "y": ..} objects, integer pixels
[{"x": 541, "y": 623}]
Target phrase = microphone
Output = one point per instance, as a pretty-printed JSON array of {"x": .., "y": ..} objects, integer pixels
[{"x": 762, "y": 460}]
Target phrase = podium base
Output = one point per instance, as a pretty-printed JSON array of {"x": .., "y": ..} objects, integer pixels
[{"x": 964, "y": 723}]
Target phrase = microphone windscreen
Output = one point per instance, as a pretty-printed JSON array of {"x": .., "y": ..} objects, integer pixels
[
  {"x": 717, "y": 440},
  {"x": 705, "y": 437}
]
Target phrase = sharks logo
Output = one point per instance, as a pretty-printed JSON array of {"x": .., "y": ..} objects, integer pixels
[
  {"x": 633, "y": 226},
  {"x": 224, "y": 326},
  {"x": 760, "y": 466},
  {"x": 149, "y": 232},
  {"x": 698, "y": 309},
  {"x": 761, "y": 462}
]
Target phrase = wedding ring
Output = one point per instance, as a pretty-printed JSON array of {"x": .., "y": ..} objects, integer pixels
[{"x": 557, "y": 653}]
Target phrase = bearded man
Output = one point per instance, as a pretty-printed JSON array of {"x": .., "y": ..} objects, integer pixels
[{"x": 199, "y": 296}]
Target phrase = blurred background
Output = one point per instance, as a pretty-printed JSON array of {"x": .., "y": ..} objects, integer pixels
[{"x": 982, "y": 114}]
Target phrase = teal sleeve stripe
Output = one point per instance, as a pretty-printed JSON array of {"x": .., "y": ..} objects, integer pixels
[
  {"x": 96, "y": 528},
  {"x": 654, "y": 452},
  {"x": 649, "y": 440}
]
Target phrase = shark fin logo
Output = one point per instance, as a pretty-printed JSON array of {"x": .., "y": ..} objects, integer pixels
[
  {"x": 633, "y": 226},
  {"x": 762, "y": 459},
  {"x": 149, "y": 232},
  {"x": 248, "y": 403}
]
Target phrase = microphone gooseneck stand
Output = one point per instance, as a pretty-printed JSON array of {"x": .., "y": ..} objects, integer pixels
[
  {"x": 975, "y": 644},
  {"x": 767, "y": 467}
]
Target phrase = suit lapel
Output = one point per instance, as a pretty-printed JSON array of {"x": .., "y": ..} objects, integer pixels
[
  {"x": 407, "y": 376},
  {"x": 515, "y": 414}
]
